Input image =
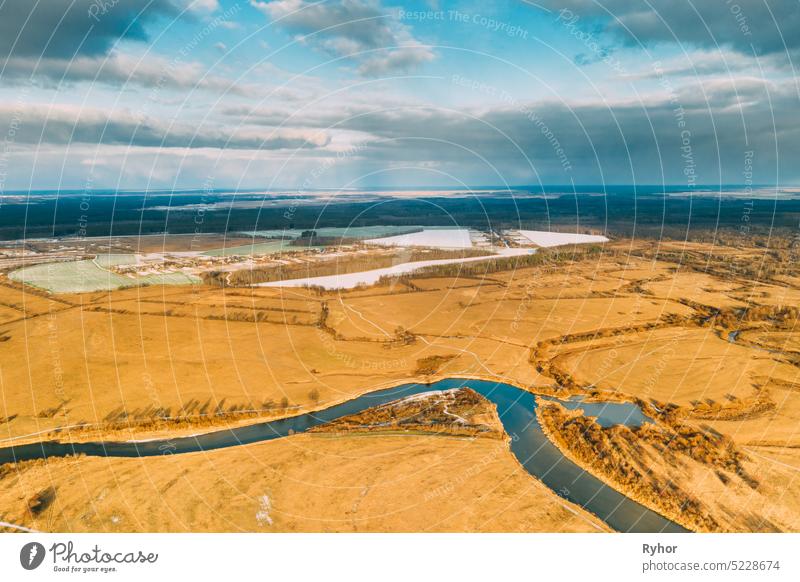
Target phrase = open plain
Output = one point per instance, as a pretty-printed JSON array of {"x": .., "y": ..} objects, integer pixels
[{"x": 708, "y": 350}]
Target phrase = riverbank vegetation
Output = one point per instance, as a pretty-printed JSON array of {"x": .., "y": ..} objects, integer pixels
[
  {"x": 693, "y": 475},
  {"x": 461, "y": 412},
  {"x": 337, "y": 264}
]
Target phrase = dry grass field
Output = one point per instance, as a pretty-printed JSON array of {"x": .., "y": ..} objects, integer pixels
[
  {"x": 680, "y": 365},
  {"x": 698, "y": 478},
  {"x": 325, "y": 481},
  {"x": 637, "y": 320}
]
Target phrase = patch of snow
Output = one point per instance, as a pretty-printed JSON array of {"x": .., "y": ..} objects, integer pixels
[
  {"x": 438, "y": 394},
  {"x": 449, "y": 238},
  {"x": 352, "y": 280},
  {"x": 422, "y": 396},
  {"x": 544, "y": 238},
  {"x": 459, "y": 419},
  {"x": 262, "y": 515}
]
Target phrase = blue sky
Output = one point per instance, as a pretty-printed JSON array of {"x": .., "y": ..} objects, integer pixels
[{"x": 140, "y": 94}]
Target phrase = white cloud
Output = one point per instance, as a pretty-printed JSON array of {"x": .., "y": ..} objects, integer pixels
[
  {"x": 65, "y": 125},
  {"x": 121, "y": 69},
  {"x": 359, "y": 30},
  {"x": 201, "y": 6},
  {"x": 400, "y": 60}
]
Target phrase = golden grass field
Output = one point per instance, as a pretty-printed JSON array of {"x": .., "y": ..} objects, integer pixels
[
  {"x": 640, "y": 320},
  {"x": 322, "y": 481}
]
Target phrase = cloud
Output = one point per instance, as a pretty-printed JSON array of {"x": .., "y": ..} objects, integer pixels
[
  {"x": 360, "y": 21},
  {"x": 120, "y": 69},
  {"x": 72, "y": 41},
  {"x": 69, "y": 28},
  {"x": 700, "y": 135},
  {"x": 202, "y": 6},
  {"x": 328, "y": 112},
  {"x": 701, "y": 63},
  {"x": 400, "y": 60},
  {"x": 697, "y": 133},
  {"x": 361, "y": 30},
  {"x": 754, "y": 27},
  {"x": 67, "y": 125}
]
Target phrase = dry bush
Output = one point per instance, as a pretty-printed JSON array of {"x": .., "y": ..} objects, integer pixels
[
  {"x": 461, "y": 412},
  {"x": 40, "y": 501},
  {"x": 620, "y": 455},
  {"x": 431, "y": 364}
]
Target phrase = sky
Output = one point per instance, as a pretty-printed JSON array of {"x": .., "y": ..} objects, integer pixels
[{"x": 296, "y": 94}]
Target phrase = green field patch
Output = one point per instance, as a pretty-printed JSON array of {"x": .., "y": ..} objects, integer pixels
[
  {"x": 260, "y": 248},
  {"x": 175, "y": 278},
  {"x": 86, "y": 276},
  {"x": 115, "y": 260}
]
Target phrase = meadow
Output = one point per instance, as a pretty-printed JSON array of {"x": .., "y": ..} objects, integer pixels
[
  {"x": 637, "y": 321},
  {"x": 90, "y": 275}
]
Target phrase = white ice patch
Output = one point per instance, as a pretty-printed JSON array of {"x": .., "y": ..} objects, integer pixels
[
  {"x": 449, "y": 238},
  {"x": 423, "y": 396},
  {"x": 544, "y": 238},
  {"x": 262, "y": 515},
  {"x": 352, "y": 280}
]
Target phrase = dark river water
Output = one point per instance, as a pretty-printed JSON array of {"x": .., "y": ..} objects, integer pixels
[{"x": 516, "y": 408}]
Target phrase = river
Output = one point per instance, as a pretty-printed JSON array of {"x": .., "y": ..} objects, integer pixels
[{"x": 516, "y": 408}]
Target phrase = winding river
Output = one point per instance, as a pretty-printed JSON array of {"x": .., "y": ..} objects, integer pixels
[{"x": 516, "y": 408}]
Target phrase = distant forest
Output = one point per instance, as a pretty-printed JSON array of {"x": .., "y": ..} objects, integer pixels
[{"x": 623, "y": 214}]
